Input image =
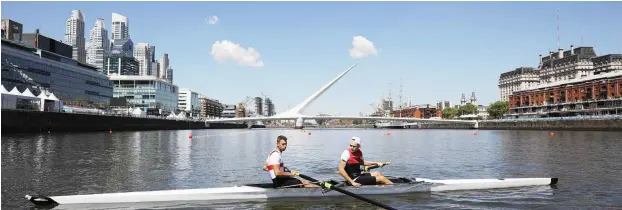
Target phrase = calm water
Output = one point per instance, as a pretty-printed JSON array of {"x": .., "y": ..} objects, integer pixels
[{"x": 589, "y": 165}]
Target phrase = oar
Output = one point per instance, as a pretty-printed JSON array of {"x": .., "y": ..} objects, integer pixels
[
  {"x": 332, "y": 187},
  {"x": 367, "y": 168}
]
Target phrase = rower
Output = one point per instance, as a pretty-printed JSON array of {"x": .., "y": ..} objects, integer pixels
[
  {"x": 350, "y": 167},
  {"x": 275, "y": 167}
]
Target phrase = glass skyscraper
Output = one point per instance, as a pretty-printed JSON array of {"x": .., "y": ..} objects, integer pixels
[
  {"x": 39, "y": 70},
  {"x": 151, "y": 94}
]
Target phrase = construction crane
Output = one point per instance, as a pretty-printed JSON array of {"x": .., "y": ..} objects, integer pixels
[
  {"x": 375, "y": 108},
  {"x": 242, "y": 107}
]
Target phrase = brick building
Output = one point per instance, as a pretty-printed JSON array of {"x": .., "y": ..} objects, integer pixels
[
  {"x": 572, "y": 82},
  {"x": 424, "y": 112},
  {"x": 598, "y": 94}
]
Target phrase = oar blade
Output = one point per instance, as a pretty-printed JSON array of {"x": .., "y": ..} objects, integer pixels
[{"x": 338, "y": 189}]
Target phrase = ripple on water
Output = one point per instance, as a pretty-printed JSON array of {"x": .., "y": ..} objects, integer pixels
[{"x": 587, "y": 164}]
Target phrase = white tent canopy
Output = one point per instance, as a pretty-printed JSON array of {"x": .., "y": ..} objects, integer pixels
[
  {"x": 10, "y": 99},
  {"x": 52, "y": 97},
  {"x": 42, "y": 95},
  {"x": 15, "y": 92},
  {"x": 138, "y": 112},
  {"x": 28, "y": 93},
  {"x": 3, "y": 90}
]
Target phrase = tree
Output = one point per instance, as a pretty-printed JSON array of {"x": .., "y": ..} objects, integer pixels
[
  {"x": 321, "y": 122},
  {"x": 467, "y": 109},
  {"x": 497, "y": 109},
  {"x": 449, "y": 113}
]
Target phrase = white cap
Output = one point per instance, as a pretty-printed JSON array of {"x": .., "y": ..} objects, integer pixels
[{"x": 356, "y": 139}]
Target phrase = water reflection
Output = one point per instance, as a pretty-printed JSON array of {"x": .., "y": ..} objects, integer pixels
[
  {"x": 181, "y": 166},
  {"x": 587, "y": 163}
]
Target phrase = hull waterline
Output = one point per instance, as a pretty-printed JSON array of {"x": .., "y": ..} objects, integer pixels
[{"x": 264, "y": 191}]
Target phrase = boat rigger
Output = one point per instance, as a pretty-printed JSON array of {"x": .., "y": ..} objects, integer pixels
[{"x": 264, "y": 191}]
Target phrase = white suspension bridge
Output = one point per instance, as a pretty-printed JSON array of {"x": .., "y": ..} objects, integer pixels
[{"x": 296, "y": 113}]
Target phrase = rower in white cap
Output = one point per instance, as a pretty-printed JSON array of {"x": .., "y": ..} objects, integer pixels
[{"x": 350, "y": 167}]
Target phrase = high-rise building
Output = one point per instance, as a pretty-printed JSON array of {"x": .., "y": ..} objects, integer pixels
[
  {"x": 98, "y": 46},
  {"x": 155, "y": 65},
  {"x": 447, "y": 104},
  {"x": 210, "y": 107},
  {"x": 259, "y": 106},
  {"x": 517, "y": 80},
  {"x": 143, "y": 56},
  {"x": 125, "y": 46},
  {"x": 120, "y": 64},
  {"x": 74, "y": 35},
  {"x": 152, "y": 51},
  {"x": 163, "y": 66},
  {"x": 441, "y": 105},
  {"x": 189, "y": 102},
  {"x": 269, "y": 107},
  {"x": 12, "y": 30},
  {"x": 155, "y": 70},
  {"x": 169, "y": 75},
  {"x": 120, "y": 27}
]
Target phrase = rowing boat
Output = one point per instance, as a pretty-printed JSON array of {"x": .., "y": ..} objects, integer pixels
[{"x": 264, "y": 191}]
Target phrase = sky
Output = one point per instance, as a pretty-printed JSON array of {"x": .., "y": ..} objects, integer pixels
[{"x": 288, "y": 50}]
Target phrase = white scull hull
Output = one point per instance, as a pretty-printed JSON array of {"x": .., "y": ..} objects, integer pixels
[{"x": 255, "y": 192}]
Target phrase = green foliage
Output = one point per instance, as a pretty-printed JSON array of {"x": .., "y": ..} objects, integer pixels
[
  {"x": 449, "y": 113},
  {"x": 467, "y": 109},
  {"x": 321, "y": 121},
  {"x": 497, "y": 109}
]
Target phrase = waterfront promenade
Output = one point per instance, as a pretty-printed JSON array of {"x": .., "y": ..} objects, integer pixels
[
  {"x": 23, "y": 121},
  {"x": 26, "y": 121},
  {"x": 585, "y": 123}
]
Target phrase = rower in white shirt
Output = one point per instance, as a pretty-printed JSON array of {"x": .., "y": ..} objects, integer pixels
[{"x": 276, "y": 168}]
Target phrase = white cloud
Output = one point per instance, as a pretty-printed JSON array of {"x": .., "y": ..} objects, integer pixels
[
  {"x": 212, "y": 20},
  {"x": 226, "y": 50},
  {"x": 362, "y": 47}
]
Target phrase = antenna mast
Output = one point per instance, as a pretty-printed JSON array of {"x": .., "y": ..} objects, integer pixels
[
  {"x": 390, "y": 99},
  {"x": 558, "y": 29},
  {"x": 401, "y": 87},
  {"x": 401, "y": 102}
]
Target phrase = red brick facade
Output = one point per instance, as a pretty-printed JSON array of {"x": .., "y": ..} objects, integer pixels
[
  {"x": 598, "y": 89},
  {"x": 415, "y": 112}
]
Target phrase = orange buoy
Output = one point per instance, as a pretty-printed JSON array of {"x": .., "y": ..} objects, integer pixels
[
  {"x": 110, "y": 131},
  {"x": 190, "y": 136},
  {"x": 388, "y": 133},
  {"x": 475, "y": 133},
  {"x": 309, "y": 133},
  {"x": 551, "y": 133}
]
